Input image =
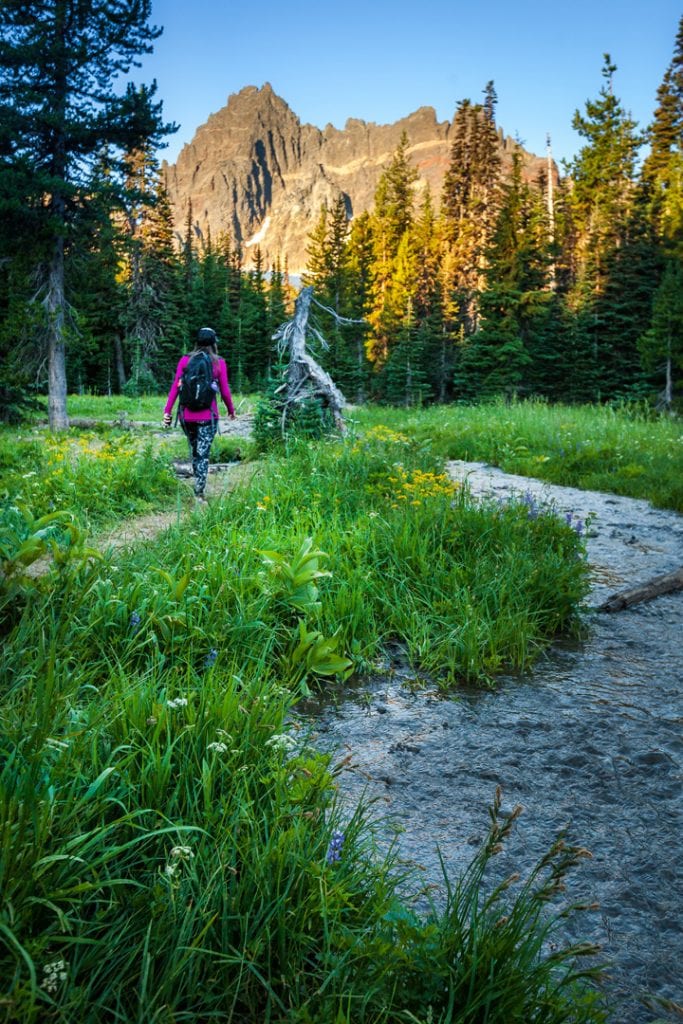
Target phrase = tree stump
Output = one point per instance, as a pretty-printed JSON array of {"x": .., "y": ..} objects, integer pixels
[{"x": 305, "y": 378}]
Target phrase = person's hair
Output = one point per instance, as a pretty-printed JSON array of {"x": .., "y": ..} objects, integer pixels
[
  {"x": 209, "y": 349},
  {"x": 207, "y": 342}
]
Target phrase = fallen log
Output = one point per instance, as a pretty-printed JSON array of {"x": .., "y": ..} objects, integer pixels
[
  {"x": 122, "y": 422},
  {"x": 664, "y": 584}
]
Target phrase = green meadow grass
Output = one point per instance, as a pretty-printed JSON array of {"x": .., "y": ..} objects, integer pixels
[
  {"x": 148, "y": 408},
  {"x": 172, "y": 849},
  {"x": 100, "y": 478},
  {"x": 628, "y": 451}
]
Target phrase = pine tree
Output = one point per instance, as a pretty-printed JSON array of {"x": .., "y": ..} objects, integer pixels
[
  {"x": 255, "y": 341},
  {"x": 661, "y": 346},
  {"x": 392, "y": 219},
  {"x": 498, "y": 355},
  {"x": 360, "y": 260},
  {"x": 470, "y": 201},
  {"x": 154, "y": 321},
  {"x": 432, "y": 336},
  {"x": 59, "y": 113},
  {"x": 317, "y": 253},
  {"x": 338, "y": 269},
  {"x": 662, "y": 172},
  {"x": 602, "y": 202}
]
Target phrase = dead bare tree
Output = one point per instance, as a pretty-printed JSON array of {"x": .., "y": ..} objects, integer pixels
[{"x": 305, "y": 378}]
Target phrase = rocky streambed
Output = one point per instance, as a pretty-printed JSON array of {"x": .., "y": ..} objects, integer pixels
[{"x": 591, "y": 741}]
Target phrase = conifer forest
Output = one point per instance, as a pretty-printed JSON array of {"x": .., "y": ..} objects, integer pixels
[{"x": 568, "y": 287}]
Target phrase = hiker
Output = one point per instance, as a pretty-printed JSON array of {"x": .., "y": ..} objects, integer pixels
[{"x": 198, "y": 379}]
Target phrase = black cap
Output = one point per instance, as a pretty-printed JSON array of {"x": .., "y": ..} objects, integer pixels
[{"x": 206, "y": 336}]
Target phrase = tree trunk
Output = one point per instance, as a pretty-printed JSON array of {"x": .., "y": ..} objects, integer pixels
[
  {"x": 551, "y": 214},
  {"x": 669, "y": 389},
  {"x": 118, "y": 362},
  {"x": 55, "y": 307},
  {"x": 305, "y": 378}
]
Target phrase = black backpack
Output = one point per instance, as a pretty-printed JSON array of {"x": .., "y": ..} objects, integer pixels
[{"x": 196, "y": 384}]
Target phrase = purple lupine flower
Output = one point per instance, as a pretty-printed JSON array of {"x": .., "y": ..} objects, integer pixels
[
  {"x": 210, "y": 659},
  {"x": 578, "y": 526},
  {"x": 134, "y": 622},
  {"x": 334, "y": 850},
  {"x": 568, "y": 518},
  {"x": 530, "y": 502}
]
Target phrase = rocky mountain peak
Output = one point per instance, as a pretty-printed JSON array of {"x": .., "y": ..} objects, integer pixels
[{"x": 255, "y": 171}]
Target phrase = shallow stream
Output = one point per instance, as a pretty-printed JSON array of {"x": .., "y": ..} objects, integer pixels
[{"x": 592, "y": 741}]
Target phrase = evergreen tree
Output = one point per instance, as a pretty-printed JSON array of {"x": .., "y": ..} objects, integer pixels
[
  {"x": 498, "y": 356},
  {"x": 391, "y": 221},
  {"x": 154, "y": 321},
  {"x": 93, "y": 280},
  {"x": 661, "y": 346},
  {"x": 404, "y": 378},
  {"x": 602, "y": 200},
  {"x": 255, "y": 341},
  {"x": 59, "y": 114},
  {"x": 317, "y": 254},
  {"x": 337, "y": 278},
  {"x": 360, "y": 249},
  {"x": 432, "y": 336},
  {"x": 469, "y": 203},
  {"x": 662, "y": 172},
  {"x": 229, "y": 324}
]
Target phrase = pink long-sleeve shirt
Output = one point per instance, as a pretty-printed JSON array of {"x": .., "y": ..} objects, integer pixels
[{"x": 220, "y": 374}]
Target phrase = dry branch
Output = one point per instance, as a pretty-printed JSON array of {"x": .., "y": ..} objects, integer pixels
[{"x": 645, "y": 592}]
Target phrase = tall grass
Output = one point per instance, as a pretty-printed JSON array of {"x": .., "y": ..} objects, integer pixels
[
  {"x": 99, "y": 479},
  {"x": 628, "y": 450},
  {"x": 172, "y": 848},
  {"x": 470, "y": 589}
]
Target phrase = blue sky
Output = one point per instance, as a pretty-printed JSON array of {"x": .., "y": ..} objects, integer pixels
[{"x": 379, "y": 60}]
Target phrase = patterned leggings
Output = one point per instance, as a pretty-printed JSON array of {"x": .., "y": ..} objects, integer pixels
[{"x": 200, "y": 437}]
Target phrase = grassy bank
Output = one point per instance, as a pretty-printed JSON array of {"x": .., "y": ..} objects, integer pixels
[
  {"x": 630, "y": 451},
  {"x": 99, "y": 478},
  {"x": 172, "y": 849}
]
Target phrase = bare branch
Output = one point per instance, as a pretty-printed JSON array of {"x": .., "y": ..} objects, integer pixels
[{"x": 337, "y": 317}]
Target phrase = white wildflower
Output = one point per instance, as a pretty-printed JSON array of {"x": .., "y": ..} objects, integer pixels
[
  {"x": 53, "y": 974},
  {"x": 182, "y": 852},
  {"x": 220, "y": 748},
  {"x": 176, "y": 857},
  {"x": 178, "y": 702},
  {"x": 281, "y": 741}
]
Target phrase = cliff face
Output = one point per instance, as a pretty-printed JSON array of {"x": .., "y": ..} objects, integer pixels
[{"x": 255, "y": 171}]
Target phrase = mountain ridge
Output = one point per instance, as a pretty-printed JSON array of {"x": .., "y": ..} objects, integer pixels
[{"x": 254, "y": 170}]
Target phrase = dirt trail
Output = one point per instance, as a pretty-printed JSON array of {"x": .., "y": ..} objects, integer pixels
[
  {"x": 591, "y": 741},
  {"x": 222, "y": 478}
]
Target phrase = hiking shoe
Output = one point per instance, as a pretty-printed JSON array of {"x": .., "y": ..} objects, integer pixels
[{"x": 200, "y": 499}]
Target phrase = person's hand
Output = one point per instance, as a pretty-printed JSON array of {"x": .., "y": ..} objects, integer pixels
[{"x": 167, "y": 420}]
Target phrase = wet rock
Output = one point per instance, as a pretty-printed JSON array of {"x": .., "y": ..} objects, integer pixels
[
  {"x": 655, "y": 759},
  {"x": 403, "y": 747}
]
